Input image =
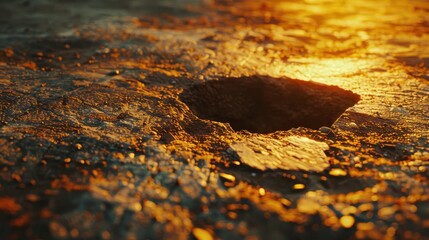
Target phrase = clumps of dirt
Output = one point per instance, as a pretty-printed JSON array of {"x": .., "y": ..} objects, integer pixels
[
  {"x": 262, "y": 104},
  {"x": 47, "y": 54}
]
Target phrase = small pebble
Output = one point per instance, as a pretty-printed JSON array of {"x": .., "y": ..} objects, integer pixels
[
  {"x": 337, "y": 172},
  {"x": 114, "y": 73},
  {"x": 261, "y": 192},
  {"x": 227, "y": 177},
  {"x": 325, "y": 130},
  {"x": 201, "y": 234},
  {"x": 298, "y": 186},
  {"x": 347, "y": 221}
]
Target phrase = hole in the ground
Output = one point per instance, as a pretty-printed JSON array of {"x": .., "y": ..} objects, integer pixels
[{"x": 262, "y": 104}]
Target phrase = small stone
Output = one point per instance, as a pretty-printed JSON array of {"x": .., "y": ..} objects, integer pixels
[
  {"x": 136, "y": 207},
  {"x": 201, "y": 234},
  {"x": 386, "y": 212},
  {"x": 298, "y": 186},
  {"x": 78, "y": 146},
  {"x": 114, "y": 73},
  {"x": 285, "y": 202},
  {"x": 261, "y": 192},
  {"x": 94, "y": 173},
  {"x": 227, "y": 177},
  {"x": 337, "y": 172},
  {"x": 325, "y": 130},
  {"x": 129, "y": 174},
  {"x": 141, "y": 158},
  {"x": 232, "y": 215},
  {"x": 347, "y": 221},
  {"x": 16, "y": 177}
]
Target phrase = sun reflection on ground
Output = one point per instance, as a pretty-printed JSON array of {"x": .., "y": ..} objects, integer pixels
[
  {"x": 325, "y": 70},
  {"x": 331, "y": 71}
]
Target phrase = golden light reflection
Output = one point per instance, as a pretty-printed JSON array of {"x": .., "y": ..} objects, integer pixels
[
  {"x": 348, "y": 39},
  {"x": 329, "y": 71}
]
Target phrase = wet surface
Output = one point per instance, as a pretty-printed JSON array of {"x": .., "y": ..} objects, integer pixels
[{"x": 97, "y": 140}]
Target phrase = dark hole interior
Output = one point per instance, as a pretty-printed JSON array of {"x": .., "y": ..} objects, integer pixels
[{"x": 263, "y": 104}]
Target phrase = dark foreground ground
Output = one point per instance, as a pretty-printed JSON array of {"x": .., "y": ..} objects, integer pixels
[{"x": 185, "y": 119}]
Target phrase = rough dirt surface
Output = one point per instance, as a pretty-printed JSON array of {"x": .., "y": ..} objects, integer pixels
[{"x": 97, "y": 142}]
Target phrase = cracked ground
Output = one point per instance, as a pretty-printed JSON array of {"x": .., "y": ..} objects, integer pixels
[{"x": 214, "y": 119}]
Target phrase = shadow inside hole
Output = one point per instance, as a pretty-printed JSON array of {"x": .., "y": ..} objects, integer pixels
[{"x": 262, "y": 104}]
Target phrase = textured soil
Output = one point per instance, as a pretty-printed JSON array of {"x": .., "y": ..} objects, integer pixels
[{"x": 214, "y": 119}]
